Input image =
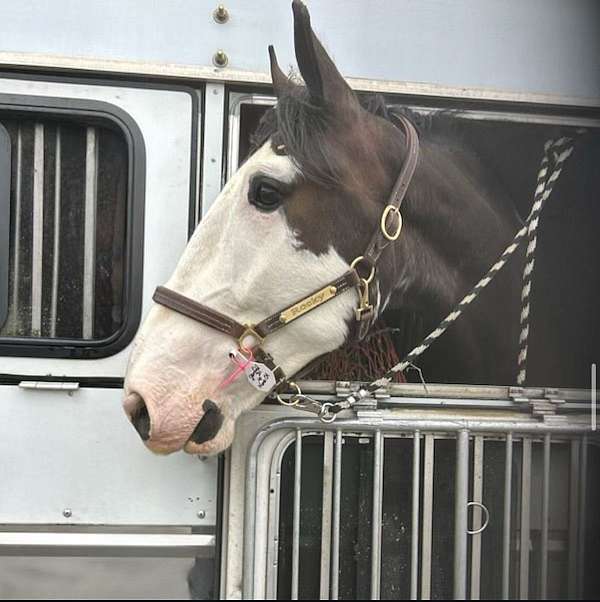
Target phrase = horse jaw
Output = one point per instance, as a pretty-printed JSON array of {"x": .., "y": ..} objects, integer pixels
[{"x": 248, "y": 265}]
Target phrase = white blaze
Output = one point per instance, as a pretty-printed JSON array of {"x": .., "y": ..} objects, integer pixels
[{"x": 246, "y": 264}]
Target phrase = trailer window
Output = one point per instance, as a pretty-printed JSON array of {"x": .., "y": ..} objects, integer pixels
[
  {"x": 245, "y": 111},
  {"x": 67, "y": 242}
]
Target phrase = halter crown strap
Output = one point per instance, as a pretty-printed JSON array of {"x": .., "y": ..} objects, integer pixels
[
  {"x": 391, "y": 218},
  {"x": 389, "y": 227}
]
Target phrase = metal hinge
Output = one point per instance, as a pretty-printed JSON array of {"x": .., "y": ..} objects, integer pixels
[
  {"x": 543, "y": 403},
  {"x": 345, "y": 388}
]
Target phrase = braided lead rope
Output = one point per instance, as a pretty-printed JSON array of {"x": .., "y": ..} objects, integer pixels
[
  {"x": 560, "y": 149},
  {"x": 474, "y": 292}
]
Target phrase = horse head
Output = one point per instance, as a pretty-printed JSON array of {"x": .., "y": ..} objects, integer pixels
[{"x": 292, "y": 219}]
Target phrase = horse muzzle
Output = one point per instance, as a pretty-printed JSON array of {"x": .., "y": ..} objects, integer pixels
[{"x": 164, "y": 437}]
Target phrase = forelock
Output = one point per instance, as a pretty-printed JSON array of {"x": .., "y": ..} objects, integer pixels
[{"x": 307, "y": 132}]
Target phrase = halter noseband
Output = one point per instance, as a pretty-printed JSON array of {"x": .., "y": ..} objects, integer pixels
[{"x": 253, "y": 335}]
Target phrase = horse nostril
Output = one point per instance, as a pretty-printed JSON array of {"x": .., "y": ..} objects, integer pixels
[
  {"x": 209, "y": 424},
  {"x": 141, "y": 419}
]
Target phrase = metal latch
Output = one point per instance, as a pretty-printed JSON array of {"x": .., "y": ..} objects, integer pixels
[
  {"x": 49, "y": 385},
  {"x": 543, "y": 403},
  {"x": 344, "y": 388}
]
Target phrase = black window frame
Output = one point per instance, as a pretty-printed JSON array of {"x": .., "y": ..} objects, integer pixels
[
  {"x": 5, "y": 163},
  {"x": 100, "y": 111}
]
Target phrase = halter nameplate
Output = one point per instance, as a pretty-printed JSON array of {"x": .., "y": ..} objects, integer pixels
[{"x": 307, "y": 304}]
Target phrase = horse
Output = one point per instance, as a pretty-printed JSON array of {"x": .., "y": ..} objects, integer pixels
[{"x": 295, "y": 215}]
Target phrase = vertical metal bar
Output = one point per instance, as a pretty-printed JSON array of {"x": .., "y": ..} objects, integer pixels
[
  {"x": 250, "y": 505},
  {"x": 593, "y": 393},
  {"x": 524, "y": 544},
  {"x": 212, "y": 161},
  {"x": 506, "y": 522},
  {"x": 89, "y": 237},
  {"x": 476, "y": 538},
  {"x": 573, "y": 522},
  {"x": 545, "y": 518},
  {"x": 296, "y": 515},
  {"x": 56, "y": 247},
  {"x": 37, "y": 248},
  {"x": 461, "y": 494},
  {"x": 376, "y": 521},
  {"x": 582, "y": 512},
  {"x": 17, "y": 240},
  {"x": 272, "y": 561},
  {"x": 327, "y": 502},
  {"x": 414, "y": 539},
  {"x": 335, "y": 527},
  {"x": 427, "y": 517}
]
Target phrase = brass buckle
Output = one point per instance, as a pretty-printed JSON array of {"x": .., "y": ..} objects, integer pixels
[
  {"x": 384, "y": 228},
  {"x": 364, "y": 311},
  {"x": 249, "y": 332}
]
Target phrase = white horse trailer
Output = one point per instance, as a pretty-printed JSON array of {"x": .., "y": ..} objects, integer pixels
[{"x": 119, "y": 124}]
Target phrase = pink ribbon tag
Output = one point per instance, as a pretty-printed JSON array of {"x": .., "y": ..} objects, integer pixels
[{"x": 241, "y": 361}]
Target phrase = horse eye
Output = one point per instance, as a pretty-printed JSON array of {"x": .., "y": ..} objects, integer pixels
[{"x": 265, "y": 196}]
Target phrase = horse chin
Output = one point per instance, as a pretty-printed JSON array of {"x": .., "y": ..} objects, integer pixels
[{"x": 219, "y": 443}]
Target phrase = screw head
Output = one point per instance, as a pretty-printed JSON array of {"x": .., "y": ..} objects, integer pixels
[
  {"x": 220, "y": 59},
  {"x": 67, "y": 512},
  {"x": 221, "y": 14},
  {"x": 201, "y": 514}
]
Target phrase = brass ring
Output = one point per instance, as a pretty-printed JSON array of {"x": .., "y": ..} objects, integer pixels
[
  {"x": 294, "y": 399},
  {"x": 372, "y": 273},
  {"x": 384, "y": 216}
]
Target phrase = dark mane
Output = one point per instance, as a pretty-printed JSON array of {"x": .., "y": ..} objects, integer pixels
[{"x": 302, "y": 126}]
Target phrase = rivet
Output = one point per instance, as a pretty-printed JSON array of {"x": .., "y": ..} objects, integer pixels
[
  {"x": 221, "y": 14},
  {"x": 67, "y": 513},
  {"x": 220, "y": 59},
  {"x": 201, "y": 514}
]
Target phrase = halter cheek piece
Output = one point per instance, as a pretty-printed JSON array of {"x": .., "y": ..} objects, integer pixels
[{"x": 360, "y": 275}]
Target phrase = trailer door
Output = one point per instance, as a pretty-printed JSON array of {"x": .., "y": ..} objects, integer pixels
[{"x": 97, "y": 195}]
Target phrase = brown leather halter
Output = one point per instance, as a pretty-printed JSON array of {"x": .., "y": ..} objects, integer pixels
[{"x": 253, "y": 335}]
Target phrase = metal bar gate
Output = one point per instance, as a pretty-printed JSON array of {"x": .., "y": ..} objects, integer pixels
[{"x": 515, "y": 490}]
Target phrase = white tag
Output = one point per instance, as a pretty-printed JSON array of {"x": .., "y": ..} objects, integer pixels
[{"x": 260, "y": 376}]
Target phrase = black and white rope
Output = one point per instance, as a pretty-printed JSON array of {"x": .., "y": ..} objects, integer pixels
[
  {"x": 563, "y": 148},
  {"x": 556, "y": 152}
]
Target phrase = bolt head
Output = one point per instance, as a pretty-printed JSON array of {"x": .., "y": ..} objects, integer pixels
[
  {"x": 220, "y": 59},
  {"x": 201, "y": 514},
  {"x": 221, "y": 14},
  {"x": 67, "y": 513}
]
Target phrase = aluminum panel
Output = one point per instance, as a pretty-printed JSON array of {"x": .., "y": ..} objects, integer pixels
[
  {"x": 459, "y": 43},
  {"x": 70, "y": 457}
]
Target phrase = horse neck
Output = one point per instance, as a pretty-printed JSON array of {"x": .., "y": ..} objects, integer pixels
[{"x": 457, "y": 223}]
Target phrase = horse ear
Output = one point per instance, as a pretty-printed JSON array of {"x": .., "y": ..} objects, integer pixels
[
  {"x": 281, "y": 83},
  {"x": 323, "y": 80}
]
